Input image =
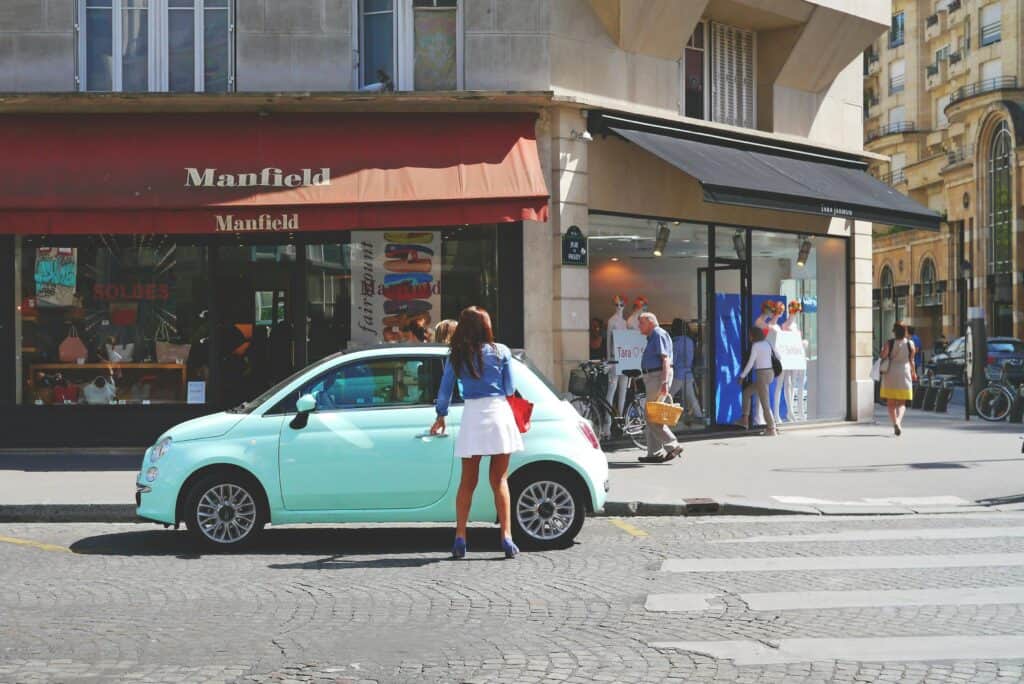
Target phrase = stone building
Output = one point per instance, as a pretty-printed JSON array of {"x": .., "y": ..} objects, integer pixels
[
  {"x": 943, "y": 101},
  {"x": 378, "y": 163}
]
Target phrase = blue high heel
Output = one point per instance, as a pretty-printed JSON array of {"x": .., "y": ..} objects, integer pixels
[
  {"x": 510, "y": 548},
  {"x": 459, "y": 550}
]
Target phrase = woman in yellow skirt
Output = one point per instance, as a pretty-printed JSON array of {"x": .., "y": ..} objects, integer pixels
[{"x": 898, "y": 379}]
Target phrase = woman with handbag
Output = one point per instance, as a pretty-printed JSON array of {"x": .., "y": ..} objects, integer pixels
[
  {"x": 898, "y": 375},
  {"x": 488, "y": 427},
  {"x": 762, "y": 359}
]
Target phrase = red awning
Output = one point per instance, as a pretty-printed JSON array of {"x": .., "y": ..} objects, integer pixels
[{"x": 246, "y": 173}]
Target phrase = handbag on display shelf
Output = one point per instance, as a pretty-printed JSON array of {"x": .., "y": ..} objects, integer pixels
[
  {"x": 120, "y": 353},
  {"x": 522, "y": 410},
  {"x": 167, "y": 351},
  {"x": 72, "y": 348}
]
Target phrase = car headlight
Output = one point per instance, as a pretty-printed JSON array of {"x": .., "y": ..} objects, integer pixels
[{"x": 160, "y": 449}]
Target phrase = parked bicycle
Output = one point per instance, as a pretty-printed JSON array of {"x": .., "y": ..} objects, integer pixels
[
  {"x": 590, "y": 385},
  {"x": 995, "y": 401}
]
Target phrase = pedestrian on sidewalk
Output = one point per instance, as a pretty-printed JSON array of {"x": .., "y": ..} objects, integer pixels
[
  {"x": 760, "y": 360},
  {"x": 656, "y": 364},
  {"x": 488, "y": 426},
  {"x": 682, "y": 368},
  {"x": 898, "y": 375}
]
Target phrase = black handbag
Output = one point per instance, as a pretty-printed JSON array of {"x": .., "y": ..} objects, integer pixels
[{"x": 776, "y": 364}]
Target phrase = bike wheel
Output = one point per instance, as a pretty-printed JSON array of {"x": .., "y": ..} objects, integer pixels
[
  {"x": 634, "y": 423},
  {"x": 993, "y": 403}
]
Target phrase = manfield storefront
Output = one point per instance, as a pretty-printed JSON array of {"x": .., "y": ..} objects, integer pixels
[
  {"x": 161, "y": 266},
  {"x": 709, "y": 229}
]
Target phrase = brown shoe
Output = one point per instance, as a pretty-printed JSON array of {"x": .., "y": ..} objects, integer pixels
[{"x": 672, "y": 453}]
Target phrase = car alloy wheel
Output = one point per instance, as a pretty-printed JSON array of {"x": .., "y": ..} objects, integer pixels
[
  {"x": 547, "y": 513},
  {"x": 226, "y": 514}
]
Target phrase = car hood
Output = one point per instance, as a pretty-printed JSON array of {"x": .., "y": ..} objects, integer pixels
[{"x": 205, "y": 427}]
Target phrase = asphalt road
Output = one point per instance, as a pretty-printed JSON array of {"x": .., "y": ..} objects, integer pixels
[{"x": 798, "y": 599}]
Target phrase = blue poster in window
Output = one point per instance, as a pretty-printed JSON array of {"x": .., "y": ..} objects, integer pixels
[{"x": 730, "y": 331}]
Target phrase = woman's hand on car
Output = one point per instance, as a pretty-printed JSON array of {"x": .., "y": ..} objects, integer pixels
[{"x": 438, "y": 427}]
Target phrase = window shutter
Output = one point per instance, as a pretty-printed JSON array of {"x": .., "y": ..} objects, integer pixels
[{"x": 732, "y": 75}]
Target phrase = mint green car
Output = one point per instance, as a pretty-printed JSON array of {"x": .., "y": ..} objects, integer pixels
[{"x": 347, "y": 440}]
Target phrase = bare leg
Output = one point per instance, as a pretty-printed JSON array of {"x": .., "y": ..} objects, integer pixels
[
  {"x": 464, "y": 499},
  {"x": 499, "y": 484},
  {"x": 890, "y": 404},
  {"x": 901, "y": 408}
]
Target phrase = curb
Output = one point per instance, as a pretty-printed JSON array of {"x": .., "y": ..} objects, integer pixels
[{"x": 69, "y": 513}]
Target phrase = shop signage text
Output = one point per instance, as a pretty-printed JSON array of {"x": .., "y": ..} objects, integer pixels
[
  {"x": 574, "y": 247},
  {"x": 263, "y": 222},
  {"x": 831, "y": 210},
  {"x": 269, "y": 177},
  {"x": 628, "y": 348},
  {"x": 110, "y": 292}
]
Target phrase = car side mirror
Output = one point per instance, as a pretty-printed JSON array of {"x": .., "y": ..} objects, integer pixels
[{"x": 305, "y": 405}]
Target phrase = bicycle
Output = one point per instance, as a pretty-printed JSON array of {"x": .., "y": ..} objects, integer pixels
[
  {"x": 995, "y": 401},
  {"x": 590, "y": 389}
]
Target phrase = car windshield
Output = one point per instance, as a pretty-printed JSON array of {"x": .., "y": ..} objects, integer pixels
[
  {"x": 252, "y": 405},
  {"x": 533, "y": 385},
  {"x": 1005, "y": 346}
]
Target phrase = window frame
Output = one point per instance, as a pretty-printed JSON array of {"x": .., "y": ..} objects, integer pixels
[
  {"x": 710, "y": 59},
  {"x": 998, "y": 23},
  {"x": 706, "y": 72},
  {"x": 894, "y": 86},
  {"x": 403, "y": 48},
  {"x": 158, "y": 62},
  {"x": 900, "y": 39}
]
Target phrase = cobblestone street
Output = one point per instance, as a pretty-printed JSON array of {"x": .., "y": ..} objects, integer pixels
[{"x": 652, "y": 599}]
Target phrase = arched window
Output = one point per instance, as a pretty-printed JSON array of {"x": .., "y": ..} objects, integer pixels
[
  {"x": 888, "y": 297},
  {"x": 888, "y": 303},
  {"x": 928, "y": 283},
  {"x": 1000, "y": 234}
]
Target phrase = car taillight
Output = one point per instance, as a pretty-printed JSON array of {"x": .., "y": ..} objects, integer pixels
[
  {"x": 990, "y": 360},
  {"x": 588, "y": 432}
]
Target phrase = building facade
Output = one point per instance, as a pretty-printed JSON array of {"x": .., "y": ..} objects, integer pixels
[
  {"x": 211, "y": 194},
  {"x": 943, "y": 101}
]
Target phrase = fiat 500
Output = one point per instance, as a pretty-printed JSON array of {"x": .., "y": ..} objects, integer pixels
[{"x": 347, "y": 440}]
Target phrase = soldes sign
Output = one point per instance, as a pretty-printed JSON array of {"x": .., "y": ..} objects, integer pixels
[{"x": 111, "y": 292}]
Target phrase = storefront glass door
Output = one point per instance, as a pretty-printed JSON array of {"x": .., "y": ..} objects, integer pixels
[{"x": 728, "y": 302}]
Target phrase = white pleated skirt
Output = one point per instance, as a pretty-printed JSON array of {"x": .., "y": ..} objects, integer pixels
[{"x": 488, "y": 427}]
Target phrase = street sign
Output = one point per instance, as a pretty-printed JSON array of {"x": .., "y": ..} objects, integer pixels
[{"x": 574, "y": 247}]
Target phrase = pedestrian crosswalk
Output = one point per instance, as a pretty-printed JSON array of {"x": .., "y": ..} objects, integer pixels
[{"x": 751, "y": 584}]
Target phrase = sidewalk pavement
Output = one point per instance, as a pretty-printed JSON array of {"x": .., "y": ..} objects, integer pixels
[{"x": 940, "y": 464}]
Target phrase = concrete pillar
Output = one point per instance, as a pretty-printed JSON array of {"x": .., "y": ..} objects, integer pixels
[
  {"x": 862, "y": 387},
  {"x": 569, "y": 207}
]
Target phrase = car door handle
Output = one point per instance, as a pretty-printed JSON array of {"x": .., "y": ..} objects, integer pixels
[{"x": 427, "y": 434}]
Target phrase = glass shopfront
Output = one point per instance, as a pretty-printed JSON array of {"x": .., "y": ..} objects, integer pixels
[
  {"x": 201, "y": 323},
  {"x": 711, "y": 283}
]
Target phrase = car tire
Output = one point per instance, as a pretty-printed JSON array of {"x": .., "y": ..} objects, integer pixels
[
  {"x": 225, "y": 511},
  {"x": 548, "y": 508}
]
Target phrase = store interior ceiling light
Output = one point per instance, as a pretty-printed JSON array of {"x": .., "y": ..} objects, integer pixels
[
  {"x": 662, "y": 240},
  {"x": 805, "y": 252}
]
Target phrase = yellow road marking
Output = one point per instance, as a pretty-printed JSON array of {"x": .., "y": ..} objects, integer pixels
[
  {"x": 627, "y": 528},
  {"x": 34, "y": 544}
]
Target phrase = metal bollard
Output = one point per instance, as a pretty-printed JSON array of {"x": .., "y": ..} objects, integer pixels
[
  {"x": 930, "y": 394},
  {"x": 1017, "y": 410},
  {"x": 919, "y": 386},
  {"x": 944, "y": 394}
]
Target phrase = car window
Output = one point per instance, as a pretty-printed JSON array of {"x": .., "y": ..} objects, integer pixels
[
  {"x": 385, "y": 381},
  {"x": 1005, "y": 346},
  {"x": 956, "y": 346}
]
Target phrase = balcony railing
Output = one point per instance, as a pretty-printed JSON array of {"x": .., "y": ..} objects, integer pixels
[
  {"x": 990, "y": 33},
  {"x": 889, "y": 129},
  {"x": 931, "y": 70},
  {"x": 959, "y": 154},
  {"x": 954, "y": 57},
  {"x": 979, "y": 87},
  {"x": 932, "y": 20},
  {"x": 894, "y": 177},
  {"x": 953, "y": 6},
  {"x": 870, "y": 62}
]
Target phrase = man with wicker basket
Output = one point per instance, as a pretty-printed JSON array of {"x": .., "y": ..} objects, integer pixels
[{"x": 656, "y": 365}]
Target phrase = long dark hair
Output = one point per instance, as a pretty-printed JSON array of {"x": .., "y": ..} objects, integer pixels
[{"x": 467, "y": 345}]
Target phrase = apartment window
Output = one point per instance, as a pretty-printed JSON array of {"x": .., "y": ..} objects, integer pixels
[
  {"x": 897, "y": 76},
  {"x": 940, "y": 112},
  {"x": 410, "y": 44},
  {"x": 694, "y": 67},
  {"x": 991, "y": 72},
  {"x": 942, "y": 55},
  {"x": 155, "y": 45},
  {"x": 897, "y": 115},
  {"x": 896, "y": 34},
  {"x": 732, "y": 75},
  {"x": 991, "y": 21},
  {"x": 1000, "y": 204}
]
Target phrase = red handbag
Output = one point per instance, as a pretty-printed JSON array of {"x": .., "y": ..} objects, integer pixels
[{"x": 522, "y": 410}]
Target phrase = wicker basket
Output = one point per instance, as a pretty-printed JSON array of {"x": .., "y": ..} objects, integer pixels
[{"x": 660, "y": 413}]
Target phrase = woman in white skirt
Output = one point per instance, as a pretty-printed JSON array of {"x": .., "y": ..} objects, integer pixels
[{"x": 488, "y": 426}]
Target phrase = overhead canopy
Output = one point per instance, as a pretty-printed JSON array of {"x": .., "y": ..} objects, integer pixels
[
  {"x": 285, "y": 172},
  {"x": 768, "y": 175}
]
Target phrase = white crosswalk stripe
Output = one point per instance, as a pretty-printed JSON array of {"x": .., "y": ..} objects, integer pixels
[{"x": 931, "y": 645}]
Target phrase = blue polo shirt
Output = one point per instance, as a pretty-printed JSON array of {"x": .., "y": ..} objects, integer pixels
[{"x": 658, "y": 344}]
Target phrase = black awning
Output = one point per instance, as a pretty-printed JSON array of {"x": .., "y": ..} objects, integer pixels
[{"x": 769, "y": 175}]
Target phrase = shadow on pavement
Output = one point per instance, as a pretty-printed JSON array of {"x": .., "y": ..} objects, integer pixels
[
  {"x": 333, "y": 543},
  {"x": 1002, "y": 500},
  {"x": 70, "y": 462}
]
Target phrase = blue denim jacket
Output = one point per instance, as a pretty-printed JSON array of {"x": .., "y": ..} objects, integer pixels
[{"x": 495, "y": 379}]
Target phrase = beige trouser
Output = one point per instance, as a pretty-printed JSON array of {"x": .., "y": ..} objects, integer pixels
[
  {"x": 658, "y": 436},
  {"x": 762, "y": 380},
  {"x": 689, "y": 395}
]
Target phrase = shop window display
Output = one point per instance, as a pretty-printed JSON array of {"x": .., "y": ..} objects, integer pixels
[{"x": 112, "y": 320}]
